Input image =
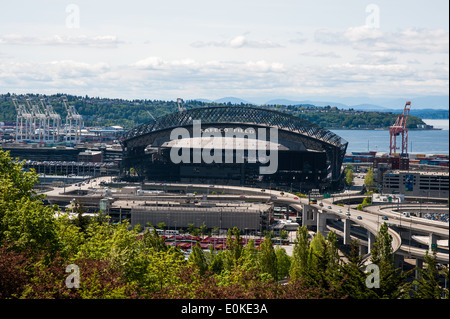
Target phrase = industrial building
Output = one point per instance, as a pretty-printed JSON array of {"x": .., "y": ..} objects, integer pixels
[
  {"x": 417, "y": 183},
  {"x": 175, "y": 214}
]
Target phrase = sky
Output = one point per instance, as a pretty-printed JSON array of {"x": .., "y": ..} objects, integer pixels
[{"x": 254, "y": 50}]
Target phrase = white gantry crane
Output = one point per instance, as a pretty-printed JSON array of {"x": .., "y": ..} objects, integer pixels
[
  {"x": 24, "y": 121},
  {"x": 74, "y": 123},
  {"x": 39, "y": 121},
  {"x": 53, "y": 121}
]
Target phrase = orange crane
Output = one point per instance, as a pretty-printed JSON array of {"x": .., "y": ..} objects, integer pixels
[{"x": 398, "y": 128}]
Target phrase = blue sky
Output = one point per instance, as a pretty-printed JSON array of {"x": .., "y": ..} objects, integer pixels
[{"x": 255, "y": 50}]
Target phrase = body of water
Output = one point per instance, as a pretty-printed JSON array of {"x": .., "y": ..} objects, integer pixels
[{"x": 423, "y": 141}]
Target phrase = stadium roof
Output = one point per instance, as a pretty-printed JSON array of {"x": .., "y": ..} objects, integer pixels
[{"x": 236, "y": 115}]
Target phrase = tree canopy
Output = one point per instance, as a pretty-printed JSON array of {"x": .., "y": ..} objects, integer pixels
[
  {"x": 129, "y": 113},
  {"x": 38, "y": 242}
]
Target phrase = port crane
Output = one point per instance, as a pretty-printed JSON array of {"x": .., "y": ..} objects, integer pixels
[
  {"x": 39, "y": 121},
  {"x": 398, "y": 128},
  {"x": 24, "y": 120},
  {"x": 53, "y": 121},
  {"x": 74, "y": 122}
]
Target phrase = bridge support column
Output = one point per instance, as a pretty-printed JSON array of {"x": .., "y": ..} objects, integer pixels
[
  {"x": 347, "y": 231},
  {"x": 432, "y": 242},
  {"x": 370, "y": 240},
  {"x": 322, "y": 223},
  {"x": 308, "y": 215},
  {"x": 419, "y": 265}
]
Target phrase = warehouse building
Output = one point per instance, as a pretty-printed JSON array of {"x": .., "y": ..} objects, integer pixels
[{"x": 417, "y": 183}]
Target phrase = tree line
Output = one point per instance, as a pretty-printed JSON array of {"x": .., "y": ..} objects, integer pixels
[
  {"x": 129, "y": 113},
  {"x": 38, "y": 242}
]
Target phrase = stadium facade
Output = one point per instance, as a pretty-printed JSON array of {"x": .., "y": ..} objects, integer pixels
[{"x": 234, "y": 145}]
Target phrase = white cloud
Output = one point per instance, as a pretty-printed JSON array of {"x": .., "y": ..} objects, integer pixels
[
  {"x": 149, "y": 63},
  {"x": 104, "y": 41},
  {"x": 238, "y": 42},
  {"x": 157, "y": 63},
  {"x": 264, "y": 66},
  {"x": 362, "y": 33},
  {"x": 299, "y": 38},
  {"x": 320, "y": 54},
  {"x": 371, "y": 39},
  {"x": 53, "y": 74},
  {"x": 377, "y": 57},
  {"x": 158, "y": 77}
]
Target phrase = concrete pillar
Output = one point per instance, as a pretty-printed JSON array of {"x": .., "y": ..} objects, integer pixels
[
  {"x": 321, "y": 222},
  {"x": 370, "y": 240},
  {"x": 432, "y": 241},
  {"x": 308, "y": 215},
  {"x": 347, "y": 231},
  {"x": 305, "y": 215},
  {"x": 419, "y": 265}
]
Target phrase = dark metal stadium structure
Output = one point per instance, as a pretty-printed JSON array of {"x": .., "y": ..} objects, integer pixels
[{"x": 313, "y": 137}]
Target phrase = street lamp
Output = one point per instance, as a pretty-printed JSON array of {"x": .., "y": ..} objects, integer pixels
[{"x": 293, "y": 180}]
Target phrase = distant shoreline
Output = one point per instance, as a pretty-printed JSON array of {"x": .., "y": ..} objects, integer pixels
[
  {"x": 440, "y": 123},
  {"x": 383, "y": 129}
]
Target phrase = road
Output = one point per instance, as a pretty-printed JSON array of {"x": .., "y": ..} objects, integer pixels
[{"x": 370, "y": 218}]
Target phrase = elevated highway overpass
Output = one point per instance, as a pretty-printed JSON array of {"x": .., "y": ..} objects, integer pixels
[{"x": 369, "y": 219}]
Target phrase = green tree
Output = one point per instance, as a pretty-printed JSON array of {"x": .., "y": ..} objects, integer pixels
[
  {"x": 368, "y": 180},
  {"x": 190, "y": 228},
  {"x": 80, "y": 221},
  {"x": 354, "y": 278},
  {"x": 367, "y": 201},
  {"x": 381, "y": 251},
  {"x": 151, "y": 239},
  {"x": 24, "y": 221},
  {"x": 161, "y": 225},
  {"x": 392, "y": 281},
  {"x": 268, "y": 258},
  {"x": 234, "y": 248},
  {"x": 427, "y": 285},
  {"x": 283, "y": 234},
  {"x": 283, "y": 262},
  {"x": 198, "y": 259},
  {"x": 301, "y": 254},
  {"x": 349, "y": 175},
  {"x": 203, "y": 229},
  {"x": 250, "y": 257},
  {"x": 216, "y": 263}
]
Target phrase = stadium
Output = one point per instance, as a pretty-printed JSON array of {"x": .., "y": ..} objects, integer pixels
[{"x": 234, "y": 145}]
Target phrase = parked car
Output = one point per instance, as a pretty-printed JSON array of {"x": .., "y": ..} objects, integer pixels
[{"x": 384, "y": 218}]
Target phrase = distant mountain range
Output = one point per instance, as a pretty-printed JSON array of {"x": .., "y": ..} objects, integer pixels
[{"x": 427, "y": 107}]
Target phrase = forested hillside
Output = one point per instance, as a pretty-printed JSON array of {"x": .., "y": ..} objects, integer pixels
[{"x": 129, "y": 113}]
